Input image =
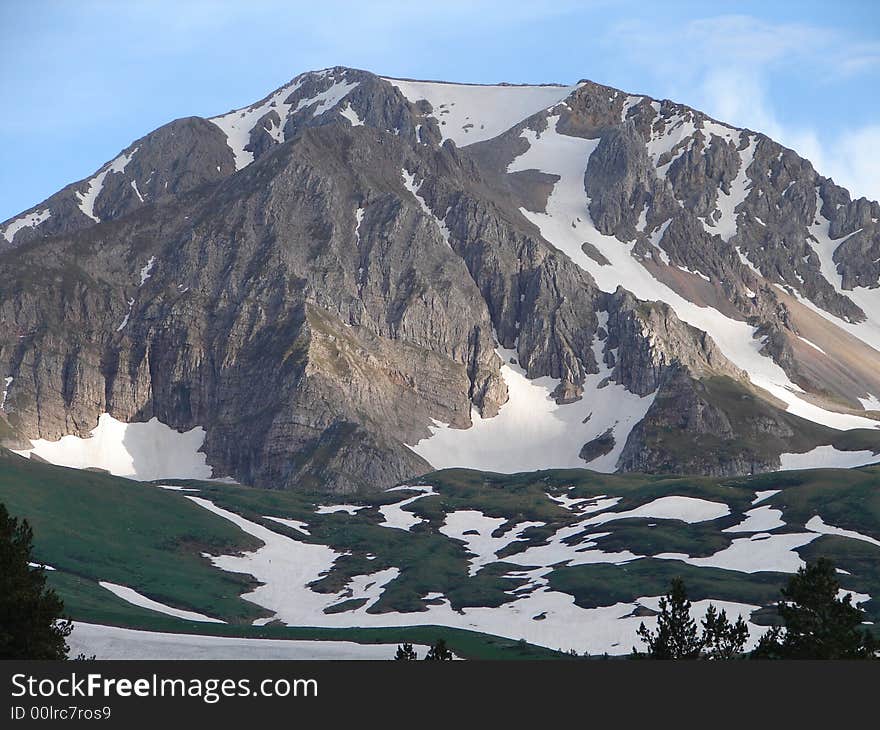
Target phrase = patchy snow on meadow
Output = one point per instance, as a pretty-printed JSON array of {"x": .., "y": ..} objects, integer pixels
[
  {"x": 539, "y": 615},
  {"x": 816, "y": 524},
  {"x": 760, "y": 519},
  {"x": 141, "y": 451},
  {"x": 138, "y": 599},
  {"x": 334, "y": 508},
  {"x": 398, "y": 518},
  {"x": 297, "y": 525},
  {"x": 477, "y": 532},
  {"x": 112, "y": 642},
  {"x": 755, "y": 554},
  {"x": 686, "y": 509}
]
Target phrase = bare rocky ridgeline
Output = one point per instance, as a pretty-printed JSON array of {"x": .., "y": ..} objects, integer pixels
[{"x": 272, "y": 276}]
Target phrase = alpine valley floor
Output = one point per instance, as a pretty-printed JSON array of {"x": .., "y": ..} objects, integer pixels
[{"x": 501, "y": 566}]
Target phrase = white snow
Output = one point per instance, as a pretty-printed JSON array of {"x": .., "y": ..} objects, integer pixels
[
  {"x": 726, "y": 225},
  {"x": 816, "y": 524},
  {"x": 141, "y": 451},
  {"x": 760, "y": 519},
  {"x": 473, "y": 113},
  {"x": 856, "y": 598},
  {"x": 134, "y": 186},
  {"x": 334, "y": 508},
  {"x": 113, "y": 642},
  {"x": 147, "y": 270},
  {"x": 567, "y": 225},
  {"x": 127, "y": 316},
  {"x": 395, "y": 516},
  {"x": 871, "y": 403},
  {"x": 475, "y": 530},
  {"x": 827, "y": 457},
  {"x": 409, "y": 183},
  {"x": 237, "y": 125},
  {"x": 135, "y": 598},
  {"x": 686, "y": 509},
  {"x": 531, "y": 431},
  {"x": 286, "y": 567},
  {"x": 814, "y": 346},
  {"x": 755, "y": 554},
  {"x": 567, "y": 502},
  {"x": 867, "y": 299},
  {"x": 762, "y": 495},
  {"x": 294, "y": 524},
  {"x": 677, "y": 130},
  {"x": 327, "y": 100},
  {"x": 351, "y": 115},
  {"x": 96, "y": 183},
  {"x": 31, "y": 220},
  {"x": 7, "y": 382}
]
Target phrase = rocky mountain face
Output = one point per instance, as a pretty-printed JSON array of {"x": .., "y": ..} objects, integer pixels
[{"x": 324, "y": 278}]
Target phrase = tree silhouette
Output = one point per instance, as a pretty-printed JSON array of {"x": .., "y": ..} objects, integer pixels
[
  {"x": 405, "y": 653},
  {"x": 817, "y": 624},
  {"x": 677, "y": 635},
  {"x": 722, "y": 639},
  {"x": 31, "y": 622},
  {"x": 439, "y": 652}
]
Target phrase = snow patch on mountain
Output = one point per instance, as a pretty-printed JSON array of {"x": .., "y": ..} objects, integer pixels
[
  {"x": 7, "y": 382},
  {"x": 532, "y": 431},
  {"x": 141, "y": 451},
  {"x": 147, "y": 270},
  {"x": 567, "y": 224},
  {"x": 95, "y": 184},
  {"x": 351, "y": 115},
  {"x": 237, "y": 125},
  {"x": 469, "y": 113},
  {"x": 30, "y": 220},
  {"x": 409, "y": 182}
]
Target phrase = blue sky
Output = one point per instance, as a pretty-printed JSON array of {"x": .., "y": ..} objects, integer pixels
[{"x": 81, "y": 79}]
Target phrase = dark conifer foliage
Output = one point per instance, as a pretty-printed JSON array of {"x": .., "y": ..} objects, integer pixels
[
  {"x": 817, "y": 624},
  {"x": 32, "y": 625}
]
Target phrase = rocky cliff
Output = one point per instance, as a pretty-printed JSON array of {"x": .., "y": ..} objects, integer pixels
[{"x": 321, "y": 278}]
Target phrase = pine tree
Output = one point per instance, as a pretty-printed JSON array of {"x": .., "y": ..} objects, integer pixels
[
  {"x": 817, "y": 624},
  {"x": 405, "y": 653},
  {"x": 439, "y": 652},
  {"x": 31, "y": 621},
  {"x": 676, "y": 636},
  {"x": 722, "y": 639}
]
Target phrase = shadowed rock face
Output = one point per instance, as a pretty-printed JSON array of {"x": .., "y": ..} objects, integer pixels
[{"x": 315, "y": 289}]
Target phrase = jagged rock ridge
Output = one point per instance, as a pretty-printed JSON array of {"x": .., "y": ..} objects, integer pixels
[{"x": 320, "y": 279}]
